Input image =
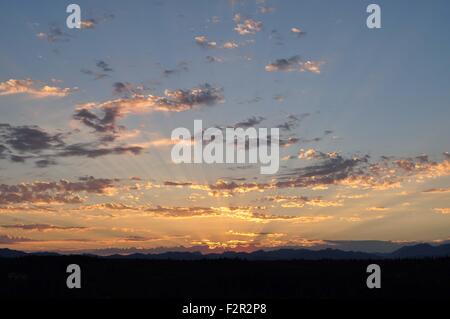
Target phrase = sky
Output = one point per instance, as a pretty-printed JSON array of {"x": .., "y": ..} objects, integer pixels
[{"x": 87, "y": 116}]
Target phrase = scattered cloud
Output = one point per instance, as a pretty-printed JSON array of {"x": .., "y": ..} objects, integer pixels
[
  {"x": 356, "y": 172},
  {"x": 297, "y": 32},
  {"x": 211, "y": 59},
  {"x": 266, "y": 9},
  {"x": 445, "y": 210},
  {"x": 230, "y": 45},
  {"x": 54, "y": 34},
  {"x": 102, "y": 70},
  {"x": 34, "y": 88},
  {"x": 311, "y": 154},
  {"x": 173, "y": 101},
  {"x": 250, "y": 122},
  {"x": 293, "y": 121},
  {"x": 180, "y": 67},
  {"x": 295, "y": 64},
  {"x": 248, "y": 26},
  {"x": 204, "y": 42}
]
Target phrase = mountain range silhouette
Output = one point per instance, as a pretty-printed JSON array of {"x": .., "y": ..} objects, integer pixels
[{"x": 413, "y": 251}]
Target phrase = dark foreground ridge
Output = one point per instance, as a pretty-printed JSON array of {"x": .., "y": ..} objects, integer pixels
[{"x": 281, "y": 276}]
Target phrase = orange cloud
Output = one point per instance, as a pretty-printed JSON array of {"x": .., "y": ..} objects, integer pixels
[
  {"x": 445, "y": 210},
  {"x": 33, "y": 88}
]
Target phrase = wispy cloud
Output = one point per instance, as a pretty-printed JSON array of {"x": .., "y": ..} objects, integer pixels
[
  {"x": 10, "y": 240},
  {"x": 42, "y": 227},
  {"x": 250, "y": 122},
  {"x": 302, "y": 201},
  {"x": 293, "y": 121},
  {"x": 377, "y": 209},
  {"x": 436, "y": 191},
  {"x": 54, "y": 34},
  {"x": 101, "y": 71}
]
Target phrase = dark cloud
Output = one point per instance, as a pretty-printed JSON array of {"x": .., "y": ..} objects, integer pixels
[
  {"x": 181, "y": 67},
  {"x": 310, "y": 140},
  {"x": 20, "y": 143},
  {"x": 45, "y": 163},
  {"x": 253, "y": 100},
  {"x": 3, "y": 151},
  {"x": 91, "y": 151},
  {"x": 205, "y": 94},
  {"x": 284, "y": 64},
  {"x": 96, "y": 75},
  {"x": 137, "y": 238},
  {"x": 107, "y": 123},
  {"x": 102, "y": 65},
  {"x": 294, "y": 63},
  {"x": 29, "y": 138},
  {"x": 10, "y": 240},
  {"x": 102, "y": 70},
  {"x": 54, "y": 192},
  {"x": 122, "y": 88},
  {"x": 250, "y": 122},
  {"x": 327, "y": 172},
  {"x": 128, "y": 89},
  {"x": 18, "y": 159},
  {"x": 103, "y": 117},
  {"x": 293, "y": 121},
  {"x": 212, "y": 59},
  {"x": 436, "y": 190},
  {"x": 169, "y": 183}
]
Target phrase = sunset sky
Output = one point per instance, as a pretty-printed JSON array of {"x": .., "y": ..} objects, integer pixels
[{"x": 87, "y": 115}]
